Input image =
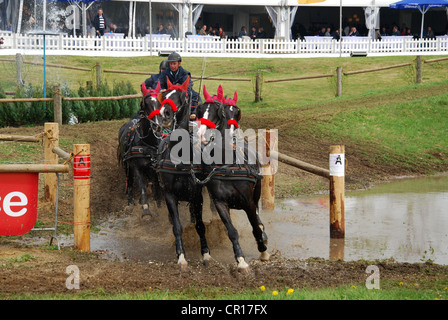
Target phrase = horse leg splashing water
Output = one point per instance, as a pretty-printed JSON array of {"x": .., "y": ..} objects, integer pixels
[
  {"x": 137, "y": 149},
  {"x": 175, "y": 176},
  {"x": 227, "y": 192}
]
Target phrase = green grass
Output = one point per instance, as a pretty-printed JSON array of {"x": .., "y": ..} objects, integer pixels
[
  {"x": 388, "y": 291},
  {"x": 297, "y": 92},
  {"x": 414, "y": 132}
]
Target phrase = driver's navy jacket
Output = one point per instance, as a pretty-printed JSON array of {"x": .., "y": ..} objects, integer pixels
[{"x": 176, "y": 78}]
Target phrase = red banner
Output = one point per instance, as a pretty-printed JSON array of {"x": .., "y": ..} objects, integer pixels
[{"x": 18, "y": 202}]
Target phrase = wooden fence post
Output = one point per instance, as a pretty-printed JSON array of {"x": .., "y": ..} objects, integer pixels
[
  {"x": 418, "y": 68},
  {"x": 98, "y": 74},
  {"x": 81, "y": 196},
  {"x": 268, "y": 181},
  {"x": 51, "y": 140},
  {"x": 339, "y": 82},
  {"x": 19, "y": 63},
  {"x": 258, "y": 87},
  {"x": 337, "y": 191},
  {"x": 57, "y": 105}
]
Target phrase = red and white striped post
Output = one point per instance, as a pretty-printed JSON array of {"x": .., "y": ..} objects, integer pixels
[{"x": 81, "y": 195}]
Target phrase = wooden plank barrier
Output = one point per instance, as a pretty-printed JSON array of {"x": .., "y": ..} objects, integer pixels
[
  {"x": 81, "y": 175},
  {"x": 336, "y": 176}
]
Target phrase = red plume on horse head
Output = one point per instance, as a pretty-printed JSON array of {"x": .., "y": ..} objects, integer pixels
[
  {"x": 232, "y": 102},
  {"x": 220, "y": 94},
  {"x": 157, "y": 90},
  {"x": 152, "y": 92},
  {"x": 208, "y": 98},
  {"x": 183, "y": 87},
  {"x": 145, "y": 91}
]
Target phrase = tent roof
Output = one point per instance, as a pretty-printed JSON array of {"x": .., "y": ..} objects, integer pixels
[
  {"x": 416, "y": 4},
  {"x": 324, "y": 3}
]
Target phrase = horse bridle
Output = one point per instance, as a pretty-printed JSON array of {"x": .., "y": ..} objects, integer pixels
[
  {"x": 155, "y": 127},
  {"x": 174, "y": 107}
]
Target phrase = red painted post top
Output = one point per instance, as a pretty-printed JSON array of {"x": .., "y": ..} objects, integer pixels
[{"x": 81, "y": 166}]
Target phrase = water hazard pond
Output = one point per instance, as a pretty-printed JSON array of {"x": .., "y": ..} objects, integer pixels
[{"x": 406, "y": 219}]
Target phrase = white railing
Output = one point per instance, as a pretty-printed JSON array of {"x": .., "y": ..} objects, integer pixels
[{"x": 199, "y": 44}]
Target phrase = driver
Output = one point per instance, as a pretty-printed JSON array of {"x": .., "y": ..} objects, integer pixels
[{"x": 178, "y": 75}]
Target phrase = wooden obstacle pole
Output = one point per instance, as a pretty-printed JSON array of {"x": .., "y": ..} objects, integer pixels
[
  {"x": 337, "y": 191},
  {"x": 418, "y": 70},
  {"x": 57, "y": 105},
  {"x": 301, "y": 165},
  {"x": 258, "y": 81},
  {"x": 51, "y": 140},
  {"x": 268, "y": 181},
  {"x": 11, "y": 137},
  {"x": 98, "y": 74},
  {"x": 339, "y": 82},
  {"x": 81, "y": 196},
  {"x": 43, "y": 168}
]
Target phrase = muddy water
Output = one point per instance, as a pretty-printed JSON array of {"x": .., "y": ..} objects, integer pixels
[{"x": 406, "y": 220}]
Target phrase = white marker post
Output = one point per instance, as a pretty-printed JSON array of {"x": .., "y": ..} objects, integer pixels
[{"x": 337, "y": 191}]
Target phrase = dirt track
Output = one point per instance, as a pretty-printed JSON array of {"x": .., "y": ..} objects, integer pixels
[{"x": 45, "y": 271}]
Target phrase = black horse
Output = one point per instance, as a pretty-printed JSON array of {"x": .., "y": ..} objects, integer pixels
[
  {"x": 138, "y": 140},
  {"x": 175, "y": 167},
  {"x": 234, "y": 185}
]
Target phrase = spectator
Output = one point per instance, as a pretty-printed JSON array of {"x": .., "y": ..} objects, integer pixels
[
  {"x": 384, "y": 32},
  {"x": 377, "y": 34},
  {"x": 261, "y": 34},
  {"x": 170, "y": 31},
  {"x": 353, "y": 32},
  {"x": 100, "y": 23},
  {"x": 395, "y": 31},
  {"x": 253, "y": 33},
  {"x": 429, "y": 34},
  {"x": 336, "y": 35},
  {"x": 328, "y": 32},
  {"x": 243, "y": 32},
  {"x": 203, "y": 30},
  {"x": 322, "y": 32},
  {"x": 221, "y": 34},
  {"x": 161, "y": 29},
  {"x": 210, "y": 31},
  {"x": 403, "y": 29}
]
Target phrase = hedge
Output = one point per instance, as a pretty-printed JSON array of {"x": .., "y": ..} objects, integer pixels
[{"x": 37, "y": 113}]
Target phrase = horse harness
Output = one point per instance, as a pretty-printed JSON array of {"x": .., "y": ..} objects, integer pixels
[
  {"x": 235, "y": 172},
  {"x": 136, "y": 147}
]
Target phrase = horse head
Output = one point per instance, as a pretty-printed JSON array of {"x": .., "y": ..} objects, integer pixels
[
  {"x": 150, "y": 105},
  {"x": 232, "y": 114},
  {"x": 174, "y": 104},
  {"x": 210, "y": 114},
  {"x": 217, "y": 113}
]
